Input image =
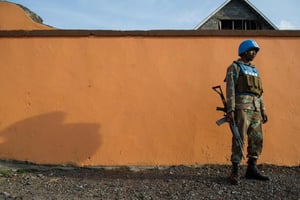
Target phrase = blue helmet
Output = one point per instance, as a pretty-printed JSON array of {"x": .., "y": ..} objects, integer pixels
[{"x": 247, "y": 45}]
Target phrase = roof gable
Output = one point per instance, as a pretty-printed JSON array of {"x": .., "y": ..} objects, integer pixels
[{"x": 241, "y": 10}]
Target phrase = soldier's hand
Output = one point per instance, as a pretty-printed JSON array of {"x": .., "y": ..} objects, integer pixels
[
  {"x": 230, "y": 116},
  {"x": 264, "y": 117}
]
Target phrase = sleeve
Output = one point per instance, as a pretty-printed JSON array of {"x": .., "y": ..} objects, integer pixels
[
  {"x": 262, "y": 104},
  {"x": 231, "y": 77}
]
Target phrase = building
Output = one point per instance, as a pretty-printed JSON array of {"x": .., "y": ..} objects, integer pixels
[{"x": 236, "y": 15}]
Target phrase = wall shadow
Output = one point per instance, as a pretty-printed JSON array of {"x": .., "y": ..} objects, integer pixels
[{"x": 47, "y": 139}]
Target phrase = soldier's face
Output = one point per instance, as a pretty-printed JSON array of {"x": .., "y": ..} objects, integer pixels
[{"x": 250, "y": 54}]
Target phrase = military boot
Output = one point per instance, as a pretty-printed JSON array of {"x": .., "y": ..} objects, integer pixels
[
  {"x": 234, "y": 176},
  {"x": 252, "y": 171}
]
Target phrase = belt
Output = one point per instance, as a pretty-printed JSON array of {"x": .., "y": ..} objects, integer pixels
[{"x": 247, "y": 93}]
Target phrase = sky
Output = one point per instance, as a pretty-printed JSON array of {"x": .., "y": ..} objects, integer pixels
[{"x": 149, "y": 14}]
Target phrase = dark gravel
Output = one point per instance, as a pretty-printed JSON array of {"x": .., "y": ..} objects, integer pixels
[{"x": 177, "y": 182}]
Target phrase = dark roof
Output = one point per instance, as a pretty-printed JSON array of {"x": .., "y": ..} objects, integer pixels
[{"x": 251, "y": 6}]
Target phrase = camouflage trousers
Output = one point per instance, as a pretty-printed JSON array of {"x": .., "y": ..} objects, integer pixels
[{"x": 249, "y": 124}]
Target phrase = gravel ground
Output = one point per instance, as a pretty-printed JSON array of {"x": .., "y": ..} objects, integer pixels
[{"x": 175, "y": 182}]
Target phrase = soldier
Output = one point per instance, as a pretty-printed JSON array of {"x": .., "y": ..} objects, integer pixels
[{"x": 245, "y": 105}]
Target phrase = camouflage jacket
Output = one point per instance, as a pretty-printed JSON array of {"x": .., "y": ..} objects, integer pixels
[{"x": 242, "y": 101}]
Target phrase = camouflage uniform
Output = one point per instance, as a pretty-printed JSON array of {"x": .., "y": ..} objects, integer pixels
[{"x": 247, "y": 108}]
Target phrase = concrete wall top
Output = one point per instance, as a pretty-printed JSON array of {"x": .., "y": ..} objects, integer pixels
[{"x": 150, "y": 33}]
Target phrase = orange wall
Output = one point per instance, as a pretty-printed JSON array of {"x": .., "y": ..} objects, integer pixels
[{"x": 137, "y": 100}]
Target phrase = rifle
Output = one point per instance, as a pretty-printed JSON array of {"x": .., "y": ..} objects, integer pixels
[{"x": 234, "y": 129}]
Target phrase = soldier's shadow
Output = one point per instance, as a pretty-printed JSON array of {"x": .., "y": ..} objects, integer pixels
[{"x": 48, "y": 139}]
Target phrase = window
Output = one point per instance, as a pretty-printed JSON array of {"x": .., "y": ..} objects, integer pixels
[
  {"x": 240, "y": 25},
  {"x": 227, "y": 25}
]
